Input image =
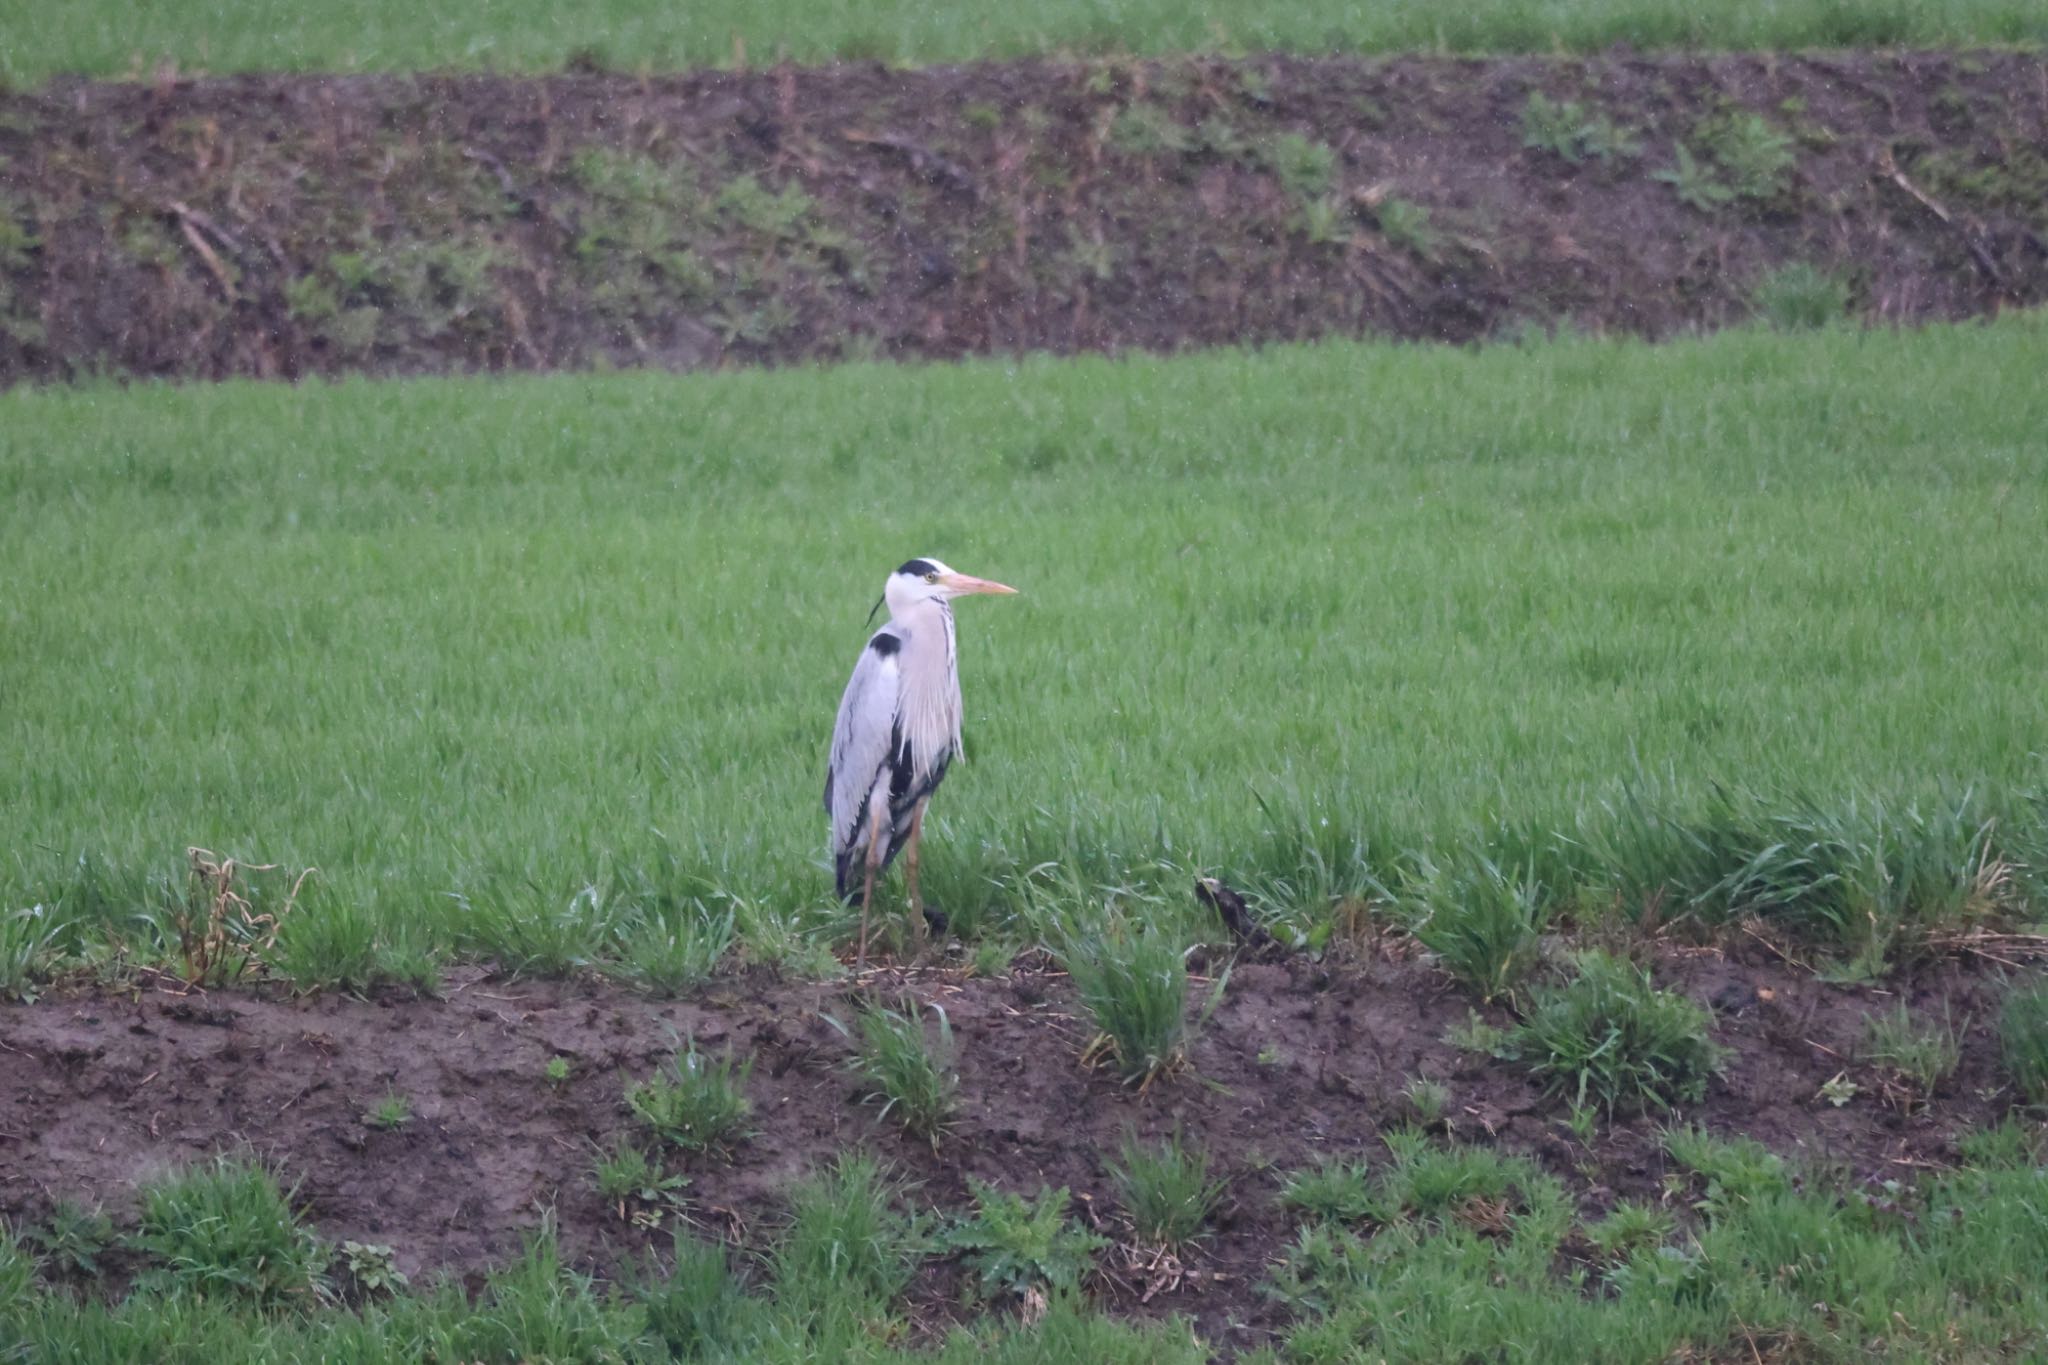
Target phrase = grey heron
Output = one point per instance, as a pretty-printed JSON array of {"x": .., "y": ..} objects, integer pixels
[{"x": 898, "y": 728}]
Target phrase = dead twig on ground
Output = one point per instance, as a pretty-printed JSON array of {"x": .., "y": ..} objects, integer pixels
[{"x": 1888, "y": 169}]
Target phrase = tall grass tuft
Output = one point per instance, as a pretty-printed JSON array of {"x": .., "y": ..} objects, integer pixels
[
  {"x": 226, "y": 1230},
  {"x": 844, "y": 1235},
  {"x": 1877, "y": 882},
  {"x": 699, "y": 1310},
  {"x": 1611, "y": 1038},
  {"x": 910, "y": 1076},
  {"x": 1482, "y": 920},
  {"x": 1167, "y": 1190},
  {"x": 27, "y": 945},
  {"x": 668, "y": 948},
  {"x": 1134, "y": 984},
  {"x": 537, "y": 1309},
  {"x": 2023, "y": 1039}
]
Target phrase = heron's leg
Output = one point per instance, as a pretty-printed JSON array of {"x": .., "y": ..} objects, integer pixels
[
  {"x": 867, "y": 891},
  {"x": 910, "y": 870}
]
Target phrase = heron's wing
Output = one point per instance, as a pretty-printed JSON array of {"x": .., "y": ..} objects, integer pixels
[{"x": 863, "y": 736}]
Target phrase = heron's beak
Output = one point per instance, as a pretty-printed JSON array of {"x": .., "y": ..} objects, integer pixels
[{"x": 960, "y": 584}]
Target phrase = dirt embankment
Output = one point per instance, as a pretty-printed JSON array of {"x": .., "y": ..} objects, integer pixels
[
  {"x": 1300, "y": 1060},
  {"x": 290, "y": 226}
]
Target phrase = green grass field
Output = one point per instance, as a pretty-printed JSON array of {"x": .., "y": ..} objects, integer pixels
[
  {"x": 99, "y": 38},
  {"x": 512, "y": 662}
]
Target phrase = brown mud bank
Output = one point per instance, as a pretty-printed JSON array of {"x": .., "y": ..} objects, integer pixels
[
  {"x": 1300, "y": 1060},
  {"x": 286, "y": 226}
]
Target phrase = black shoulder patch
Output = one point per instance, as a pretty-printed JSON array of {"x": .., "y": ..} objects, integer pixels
[
  {"x": 884, "y": 643},
  {"x": 918, "y": 568}
]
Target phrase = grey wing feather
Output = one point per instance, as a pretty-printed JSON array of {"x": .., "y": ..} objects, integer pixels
[{"x": 860, "y": 742}]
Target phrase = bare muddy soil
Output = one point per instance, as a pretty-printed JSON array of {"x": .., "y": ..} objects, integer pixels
[
  {"x": 99, "y": 1091},
  {"x": 286, "y": 226}
]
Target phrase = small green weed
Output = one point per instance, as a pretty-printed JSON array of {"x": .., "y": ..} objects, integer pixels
[
  {"x": 1474, "y": 1034},
  {"x": 1694, "y": 181},
  {"x": 1305, "y": 168},
  {"x": 1610, "y": 1037},
  {"x": 635, "y": 1186},
  {"x": 226, "y": 1230},
  {"x": 699, "y": 1104},
  {"x": 74, "y": 1238},
  {"x": 754, "y": 207},
  {"x": 1800, "y": 298},
  {"x": 1405, "y": 224},
  {"x": 2023, "y": 1038},
  {"x": 1755, "y": 157},
  {"x": 1017, "y": 1246},
  {"x": 911, "y": 1077},
  {"x": 1743, "y": 158},
  {"x": 1326, "y": 221},
  {"x": 1147, "y": 129},
  {"x": 1566, "y": 130},
  {"x": 992, "y": 958},
  {"x": 1166, "y": 1190},
  {"x": 391, "y": 1112},
  {"x": 374, "y": 1268},
  {"x": 1333, "y": 1190},
  {"x": 1582, "y": 1121},
  {"x": 1629, "y": 1227},
  {"x": 1923, "y": 1055},
  {"x": 556, "y": 1072},
  {"x": 1427, "y": 1099}
]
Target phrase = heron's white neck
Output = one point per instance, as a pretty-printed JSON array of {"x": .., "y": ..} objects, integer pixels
[
  {"x": 930, "y": 669},
  {"x": 921, "y": 611}
]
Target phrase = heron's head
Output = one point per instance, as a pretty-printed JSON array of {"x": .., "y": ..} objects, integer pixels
[{"x": 927, "y": 580}]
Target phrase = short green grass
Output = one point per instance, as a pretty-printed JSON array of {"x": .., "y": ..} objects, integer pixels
[
  {"x": 102, "y": 38},
  {"x": 543, "y": 668}
]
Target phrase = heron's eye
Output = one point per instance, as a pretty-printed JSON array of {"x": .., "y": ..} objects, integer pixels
[{"x": 931, "y": 578}]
